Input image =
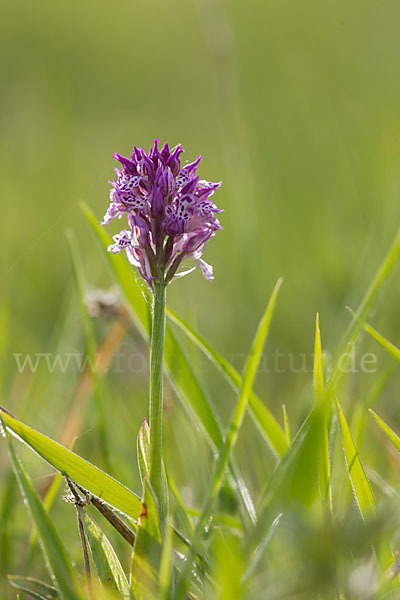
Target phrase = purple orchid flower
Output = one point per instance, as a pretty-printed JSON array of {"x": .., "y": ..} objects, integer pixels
[{"x": 171, "y": 214}]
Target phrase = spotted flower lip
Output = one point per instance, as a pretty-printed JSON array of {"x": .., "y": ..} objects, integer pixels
[{"x": 170, "y": 211}]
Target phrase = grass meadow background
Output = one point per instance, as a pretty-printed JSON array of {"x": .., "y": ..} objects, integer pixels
[{"x": 296, "y": 107}]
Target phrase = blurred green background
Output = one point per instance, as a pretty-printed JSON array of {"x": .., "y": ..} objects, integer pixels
[{"x": 294, "y": 105}]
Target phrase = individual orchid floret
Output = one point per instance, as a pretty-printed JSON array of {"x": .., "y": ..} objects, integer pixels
[{"x": 170, "y": 212}]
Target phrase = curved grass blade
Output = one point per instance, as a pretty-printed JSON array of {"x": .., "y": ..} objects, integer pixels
[
  {"x": 382, "y": 341},
  {"x": 360, "y": 416},
  {"x": 89, "y": 477},
  {"x": 359, "y": 482},
  {"x": 318, "y": 376},
  {"x": 54, "y": 552},
  {"x": 107, "y": 563},
  {"x": 265, "y": 421},
  {"x": 393, "y": 437},
  {"x": 388, "y": 346},
  {"x": 34, "y": 587},
  {"x": 178, "y": 367}
]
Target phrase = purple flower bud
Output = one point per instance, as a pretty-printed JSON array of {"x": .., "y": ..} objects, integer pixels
[
  {"x": 173, "y": 162},
  {"x": 153, "y": 152},
  {"x": 159, "y": 176},
  {"x": 164, "y": 153},
  {"x": 128, "y": 165},
  {"x": 137, "y": 154},
  {"x": 168, "y": 183},
  {"x": 145, "y": 167}
]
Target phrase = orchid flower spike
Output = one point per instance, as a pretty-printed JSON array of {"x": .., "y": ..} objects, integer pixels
[{"x": 170, "y": 213}]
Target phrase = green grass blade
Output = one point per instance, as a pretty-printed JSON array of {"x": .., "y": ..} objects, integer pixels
[
  {"x": 55, "y": 555},
  {"x": 388, "y": 346},
  {"x": 363, "y": 491},
  {"x": 9, "y": 491},
  {"x": 382, "y": 341},
  {"x": 34, "y": 587},
  {"x": 324, "y": 468},
  {"x": 107, "y": 563},
  {"x": 91, "y": 346},
  {"x": 393, "y": 437},
  {"x": 359, "y": 482},
  {"x": 360, "y": 416},
  {"x": 86, "y": 475},
  {"x": 264, "y": 420},
  {"x": 318, "y": 377},
  {"x": 250, "y": 369}
]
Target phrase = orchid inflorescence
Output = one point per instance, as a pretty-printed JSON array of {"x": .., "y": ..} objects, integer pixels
[{"x": 170, "y": 213}]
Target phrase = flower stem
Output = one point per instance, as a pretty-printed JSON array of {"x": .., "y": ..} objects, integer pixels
[{"x": 156, "y": 392}]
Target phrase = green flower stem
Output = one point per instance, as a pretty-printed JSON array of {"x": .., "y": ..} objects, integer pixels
[{"x": 156, "y": 391}]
